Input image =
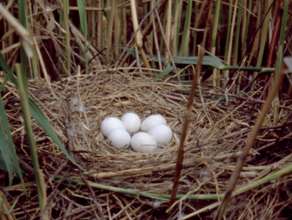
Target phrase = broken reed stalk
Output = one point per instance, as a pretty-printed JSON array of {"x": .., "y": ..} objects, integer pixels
[
  {"x": 265, "y": 108},
  {"x": 180, "y": 153}
]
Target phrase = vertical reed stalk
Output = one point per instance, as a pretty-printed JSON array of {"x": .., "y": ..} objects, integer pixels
[
  {"x": 275, "y": 34},
  {"x": 279, "y": 61},
  {"x": 124, "y": 26},
  {"x": 260, "y": 119},
  {"x": 255, "y": 45},
  {"x": 110, "y": 29},
  {"x": 264, "y": 31},
  {"x": 237, "y": 32},
  {"x": 155, "y": 37},
  {"x": 230, "y": 44},
  {"x": 34, "y": 61},
  {"x": 91, "y": 22},
  {"x": 118, "y": 27},
  {"x": 23, "y": 22},
  {"x": 41, "y": 187},
  {"x": 215, "y": 25},
  {"x": 138, "y": 32},
  {"x": 26, "y": 62},
  {"x": 214, "y": 39},
  {"x": 198, "y": 19},
  {"x": 83, "y": 18},
  {"x": 84, "y": 30},
  {"x": 229, "y": 27},
  {"x": 168, "y": 28},
  {"x": 100, "y": 17},
  {"x": 184, "y": 49},
  {"x": 244, "y": 29},
  {"x": 176, "y": 26},
  {"x": 65, "y": 21}
]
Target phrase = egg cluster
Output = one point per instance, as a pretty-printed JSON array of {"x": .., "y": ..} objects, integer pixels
[{"x": 143, "y": 136}]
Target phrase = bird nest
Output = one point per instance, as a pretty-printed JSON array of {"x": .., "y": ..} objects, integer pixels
[
  {"x": 77, "y": 105},
  {"x": 127, "y": 180}
]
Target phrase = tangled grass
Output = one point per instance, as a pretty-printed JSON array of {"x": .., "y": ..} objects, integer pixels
[{"x": 123, "y": 184}]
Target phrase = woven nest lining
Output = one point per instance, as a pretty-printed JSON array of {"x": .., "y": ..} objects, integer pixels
[{"x": 215, "y": 139}]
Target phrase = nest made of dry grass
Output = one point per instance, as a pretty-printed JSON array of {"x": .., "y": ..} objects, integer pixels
[
  {"x": 219, "y": 126},
  {"x": 80, "y": 104}
]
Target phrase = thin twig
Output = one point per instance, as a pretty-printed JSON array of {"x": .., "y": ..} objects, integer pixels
[{"x": 180, "y": 153}]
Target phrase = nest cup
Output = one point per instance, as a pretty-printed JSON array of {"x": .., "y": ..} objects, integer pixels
[{"x": 213, "y": 143}]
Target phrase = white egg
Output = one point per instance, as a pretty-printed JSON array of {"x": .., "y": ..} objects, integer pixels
[
  {"x": 143, "y": 142},
  {"x": 152, "y": 121},
  {"x": 119, "y": 138},
  {"x": 162, "y": 134},
  {"x": 131, "y": 122},
  {"x": 109, "y": 124}
]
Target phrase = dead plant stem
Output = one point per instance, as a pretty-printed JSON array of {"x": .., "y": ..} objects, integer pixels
[
  {"x": 180, "y": 153},
  {"x": 250, "y": 142}
]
